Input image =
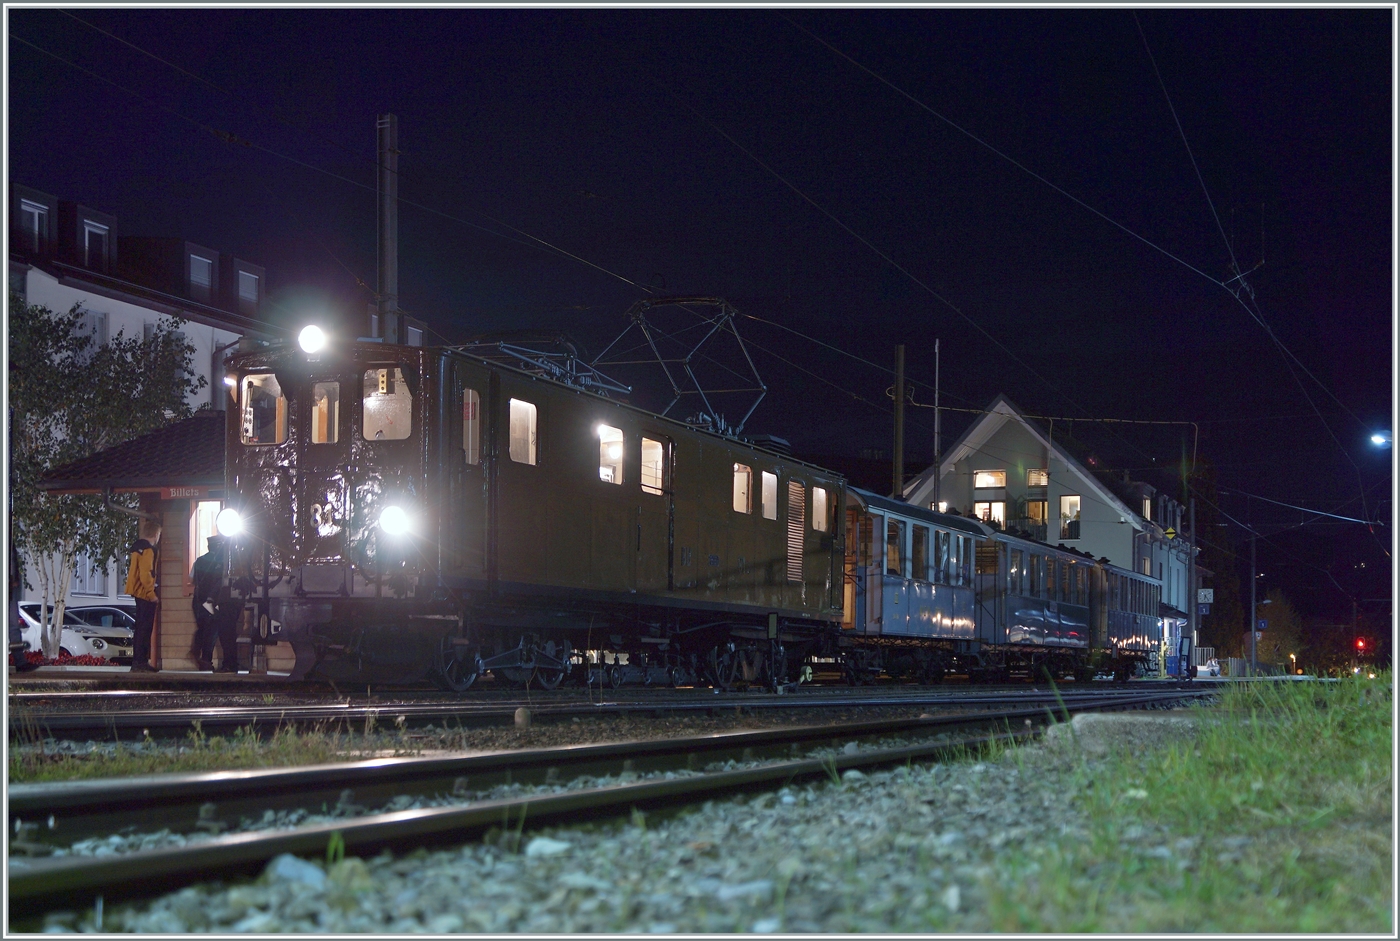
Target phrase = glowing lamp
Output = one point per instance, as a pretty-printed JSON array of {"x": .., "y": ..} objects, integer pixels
[
  {"x": 394, "y": 521},
  {"x": 228, "y": 522},
  {"x": 312, "y": 339}
]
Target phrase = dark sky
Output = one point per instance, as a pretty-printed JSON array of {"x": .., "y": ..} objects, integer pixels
[{"x": 604, "y": 133}]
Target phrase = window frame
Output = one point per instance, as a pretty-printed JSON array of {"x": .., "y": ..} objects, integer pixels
[
  {"x": 744, "y": 472},
  {"x": 609, "y": 435},
  {"x": 660, "y": 489},
  {"x": 531, "y": 458},
  {"x": 333, "y": 423},
  {"x": 1066, "y": 520},
  {"x": 400, "y": 368},
  {"x": 992, "y": 474},
  {"x": 279, "y": 418},
  {"x": 769, "y": 479}
]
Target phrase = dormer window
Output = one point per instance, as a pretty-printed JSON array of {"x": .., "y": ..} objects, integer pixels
[
  {"x": 201, "y": 277},
  {"x": 1147, "y": 508},
  {"x": 34, "y": 222},
  {"x": 988, "y": 479},
  {"x": 248, "y": 287},
  {"x": 95, "y": 245}
]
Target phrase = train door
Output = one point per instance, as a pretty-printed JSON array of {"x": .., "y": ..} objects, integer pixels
[
  {"x": 991, "y": 596},
  {"x": 656, "y": 517},
  {"x": 872, "y": 557},
  {"x": 464, "y": 460},
  {"x": 322, "y": 452}
]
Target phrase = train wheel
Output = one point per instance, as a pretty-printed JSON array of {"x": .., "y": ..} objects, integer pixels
[
  {"x": 614, "y": 675},
  {"x": 456, "y": 666},
  {"x": 722, "y": 667},
  {"x": 934, "y": 672},
  {"x": 551, "y": 678}
]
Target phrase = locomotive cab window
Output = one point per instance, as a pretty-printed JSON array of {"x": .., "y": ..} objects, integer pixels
[
  {"x": 743, "y": 489},
  {"x": 770, "y": 496},
  {"x": 523, "y": 438},
  {"x": 388, "y": 405},
  {"x": 264, "y": 410},
  {"x": 820, "y": 511},
  {"x": 611, "y": 447},
  {"x": 653, "y": 466},
  {"x": 325, "y": 413},
  {"x": 894, "y": 547},
  {"x": 471, "y": 426}
]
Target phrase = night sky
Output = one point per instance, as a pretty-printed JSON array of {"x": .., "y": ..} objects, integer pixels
[{"x": 713, "y": 153}]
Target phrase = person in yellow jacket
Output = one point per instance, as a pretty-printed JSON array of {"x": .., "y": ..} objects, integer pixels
[{"x": 141, "y": 585}]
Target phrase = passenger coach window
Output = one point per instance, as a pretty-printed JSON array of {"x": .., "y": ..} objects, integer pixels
[
  {"x": 743, "y": 488},
  {"x": 820, "y": 512},
  {"x": 471, "y": 426},
  {"x": 653, "y": 466},
  {"x": 264, "y": 410},
  {"x": 894, "y": 547},
  {"x": 918, "y": 554},
  {"x": 522, "y": 431},
  {"x": 770, "y": 496},
  {"x": 940, "y": 556},
  {"x": 610, "y": 450},
  {"x": 388, "y": 405},
  {"x": 1017, "y": 572},
  {"x": 325, "y": 413}
]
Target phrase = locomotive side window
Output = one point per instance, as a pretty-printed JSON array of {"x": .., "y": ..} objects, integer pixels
[
  {"x": 264, "y": 410},
  {"x": 471, "y": 426},
  {"x": 940, "y": 557},
  {"x": 388, "y": 405},
  {"x": 610, "y": 451},
  {"x": 796, "y": 528},
  {"x": 894, "y": 547},
  {"x": 325, "y": 413},
  {"x": 918, "y": 553},
  {"x": 954, "y": 570},
  {"x": 653, "y": 466},
  {"x": 770, "y": 496},
  {"x": 743, "y": 489},
  {"x": 821, "y": 513},
  {"x": 522, "y": 431}
]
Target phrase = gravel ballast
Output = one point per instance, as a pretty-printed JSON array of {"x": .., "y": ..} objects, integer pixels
[{"x": 917, "y": 849}]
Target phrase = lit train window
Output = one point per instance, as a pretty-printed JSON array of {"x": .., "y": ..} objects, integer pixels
[
  {"x": 388, "y": 405},
  {"x": 325, "y": 413},
  {"x": 821, "y": 513},
  {"x": 1016, "y": 572},
  {"x": 264, "y": 410},
  {"x": 523, "y": 438},
  {"x": 471, "y": 426},
  {"x": 653, "y": 466},
  {"x": 610, "y": 451},
  {"x": 770, "y": 496},
  {"x": 894, "y": 547},
  {"x": 918, "y": 553},
  {"x": 743, "y": 488}
]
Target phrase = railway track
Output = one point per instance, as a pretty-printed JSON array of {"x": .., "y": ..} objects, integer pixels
[
  {"x": 681, "y": 771},
  {"x": 30, "y": 719}
]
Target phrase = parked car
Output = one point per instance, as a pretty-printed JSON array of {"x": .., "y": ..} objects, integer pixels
[{"x": 103, "y": 631}]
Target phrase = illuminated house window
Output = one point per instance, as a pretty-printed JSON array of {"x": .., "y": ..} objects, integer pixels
[
  {"x": 522, "y": 432},
  {"x": 990, "y": 511},
  {"x": 388, "y": 405},
  {"x": 820, "y": 510},
  {"x": 653, "y": 466},
  {"x": 988, "y": 479},
  {"x": 264, "y": 410},
  {"x": 471, "y": 426},
  {"x": 325, "y": 413},
  {"x": 1147, "y": 508},
  {"x": 743, "y": 488},
  {"x": 610, "y": 450},
  {"x": 770, "y": 496},
  {"x": 1069, "y": 516},
  {"x": 1037, "y": 477}
]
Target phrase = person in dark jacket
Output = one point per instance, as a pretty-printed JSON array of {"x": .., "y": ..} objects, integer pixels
[
  {"x": 141, "y": 585},
  {"x": 215, "y": 613}
]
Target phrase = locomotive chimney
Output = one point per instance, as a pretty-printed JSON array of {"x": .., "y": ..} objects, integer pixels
[{"x": 391, "y": 321}]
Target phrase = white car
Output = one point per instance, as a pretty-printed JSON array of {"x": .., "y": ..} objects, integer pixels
[{"x": 96, "y": 630}]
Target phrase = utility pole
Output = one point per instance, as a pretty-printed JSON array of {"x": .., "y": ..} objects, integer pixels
[
  {"x": 1193, "y": 609},
  {"x": 391, "y": 325},
  {"x": 1253, "y": 604},
  {"x": 898, "y": 422},
  {"x": 937, "y": 436}
]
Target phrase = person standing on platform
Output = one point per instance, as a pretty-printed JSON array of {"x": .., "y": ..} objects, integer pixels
[
  {"x": 215, "y": 613},
  {"x": 141, "y": 585}
]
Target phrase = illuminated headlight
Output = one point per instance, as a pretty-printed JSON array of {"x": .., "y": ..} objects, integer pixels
[
  {"x": 228, "y": 522},
  {"x": 394, "y": 521},
  {"x": 312, "y": 339}
]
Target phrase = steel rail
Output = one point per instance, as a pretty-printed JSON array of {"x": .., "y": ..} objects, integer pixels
[
  {"x": 41, "y": 883},
  {"x": 27, "y": 721}
]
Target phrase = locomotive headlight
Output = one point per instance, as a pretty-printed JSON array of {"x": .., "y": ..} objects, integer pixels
[
  {"x": 228, "y": 522},
  {"x": 312, "y": 339},
  {"x": 394, "y": 521}
]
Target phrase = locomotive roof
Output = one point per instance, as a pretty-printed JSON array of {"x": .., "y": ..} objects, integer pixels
[
  {"x": 946, "y": 520},
  {"x": 362, "y": 348}
]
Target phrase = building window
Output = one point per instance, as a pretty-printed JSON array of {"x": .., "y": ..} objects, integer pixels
[
  {"x": 796, "y": 528},
  {"x": 770, "y": 496},
  {"x": 201, "y": 277},
  {"x": 988, "y": 479},
  {"x": 991, "y": 512},
  {"x": 34, "y": 221},
  {"x": 248, "y": 287},
  {"x": 743, "y": 488},
  {"x": 523, "y": 438},
  {"x": 415, "y": 336},
  {"x": 653, "y": 466},
  {"x": 1147, "y": 508},
  {"x": 894, "y": 547},
  {"x": 940, "y": 507},
  {"x": 611, "y": 447},
  {"x": 88, "y": 579},
  {"x": 325, "y": 413},
  {"x": 918, "y": 553},
  {"x": 1037, "y": 477},
  {"x": 95, "y": 326},
  {"x": 388, "y": 405},
  {"x": 264, "y": 410},
  {"x": 95, "y": 246},
  {"x": 1069, "y": 516},
  {"x": 201, "y": 528},
  {"x": 821, "y": 519},
  {"x": 471, "y": 426}
]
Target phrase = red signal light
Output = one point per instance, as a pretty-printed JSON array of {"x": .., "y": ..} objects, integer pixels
[{"x": 1360, "y": 643}]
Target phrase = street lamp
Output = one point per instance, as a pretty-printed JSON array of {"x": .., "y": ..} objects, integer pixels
[
  {"x": 1381, "y": 439},
  {"x": 1253, "y": 635}
]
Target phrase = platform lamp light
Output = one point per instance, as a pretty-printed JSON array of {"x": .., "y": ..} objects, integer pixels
[{"x": 1381, "y": 439}]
